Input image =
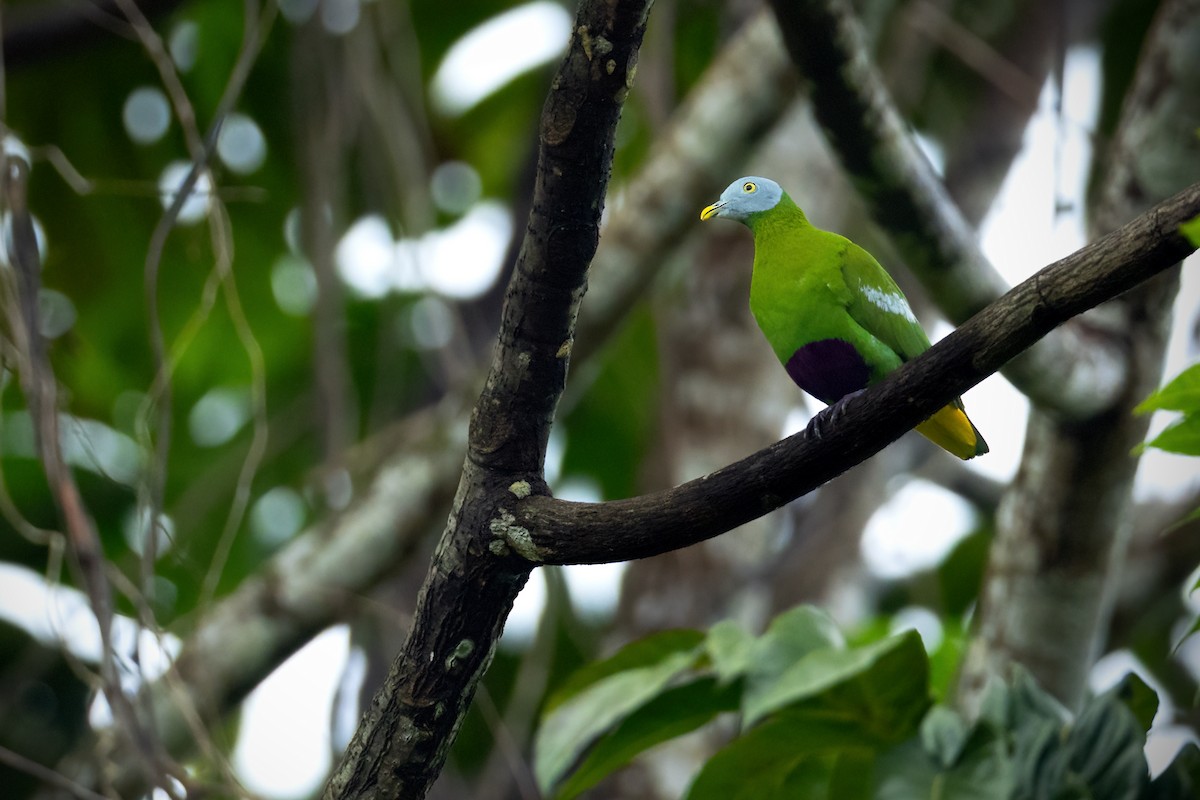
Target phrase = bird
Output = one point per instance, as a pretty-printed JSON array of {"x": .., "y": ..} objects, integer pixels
[{"x": 833, "y": 315}]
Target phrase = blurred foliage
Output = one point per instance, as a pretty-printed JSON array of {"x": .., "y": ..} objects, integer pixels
[
  {"x": 864, "y": 699},
  {"x": 820, "y": 720}
]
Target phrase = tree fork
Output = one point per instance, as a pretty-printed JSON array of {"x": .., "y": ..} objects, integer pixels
[{"x": 402, "y": 742}]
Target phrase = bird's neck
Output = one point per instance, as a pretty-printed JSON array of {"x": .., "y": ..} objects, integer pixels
[{"x": 786, "y": 216}]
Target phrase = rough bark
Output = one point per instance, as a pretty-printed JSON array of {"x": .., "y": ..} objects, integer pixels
[
  {"x": 1063, "y": 527},
  {"x": 402, "y": 742}
]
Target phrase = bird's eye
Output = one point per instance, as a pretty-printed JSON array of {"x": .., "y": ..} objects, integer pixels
[{"x": 749, "y": 187}]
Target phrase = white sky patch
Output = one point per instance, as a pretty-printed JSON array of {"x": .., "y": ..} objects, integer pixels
[
  {"x": 460, "y": 261},
  {"x": 87, "y": 444},
  {"x": 241, "y": 145},
  {"x": 1024, "y": 231},
  {"x": 218, "y": 415},
  {"x": 914, "y": 529},
  {"x": 184, "y": 44},
  {"x": 485, "y": 60},
  {"x": 595, "y": 588},
  {"x": 283, "y": 746},
  {"x": 146, "y": 114},
  {"x": 199, "y": 200},
  {"x": 923, "y": 621},
  {"x": 522, "y": 622},
  {"x": 365, "y": 256},
  {"x": 61, "y": 615},
  {"x": 463, "y": 260},
  {"x": 135, "y": 530}
]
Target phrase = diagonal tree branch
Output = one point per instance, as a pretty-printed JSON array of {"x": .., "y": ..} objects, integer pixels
[
  {"x": 560, "y": 532},
  {"x": 1075, "y": 373}
]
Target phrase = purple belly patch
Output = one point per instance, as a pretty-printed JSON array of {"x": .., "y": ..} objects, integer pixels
[{"x": 828, "y": 370}]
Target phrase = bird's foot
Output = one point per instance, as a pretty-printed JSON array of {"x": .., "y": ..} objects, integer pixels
[{"x": 827, "y": 419}]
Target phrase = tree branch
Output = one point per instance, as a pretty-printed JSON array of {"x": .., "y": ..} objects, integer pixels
[
  {"x": 1063, "y": 526},
  {"x": 563, "y": 532},
  {"x": 402, "y": 742},
  {"x": 1074, "y": 373}
]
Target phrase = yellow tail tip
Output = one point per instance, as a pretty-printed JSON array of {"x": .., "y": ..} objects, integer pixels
[{"x": 951, "y": 430}]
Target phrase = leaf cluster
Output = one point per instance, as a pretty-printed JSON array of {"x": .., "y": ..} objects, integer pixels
[{"x": 814, "y": 718}]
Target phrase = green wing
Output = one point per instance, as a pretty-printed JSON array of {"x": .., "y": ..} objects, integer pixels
[{"x": 876, "y": 303}]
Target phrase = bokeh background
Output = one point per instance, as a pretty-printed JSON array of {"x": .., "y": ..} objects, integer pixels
[{"x": 315, "y": 325}]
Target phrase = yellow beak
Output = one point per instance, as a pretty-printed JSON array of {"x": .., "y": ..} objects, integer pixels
[{"x": 711, "y": 211}]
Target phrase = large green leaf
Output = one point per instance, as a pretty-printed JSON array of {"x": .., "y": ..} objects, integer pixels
[
  {"x": 980, "y": 771},
  {"x": 673, "y": 713},
  {"x": 1182, "y": 393},
  {"x": 1139, "y": 698},
  {"x": 1182, "y": 436},
  {"x": 787, "y": 750},
  {"x": 790, "y": 637},
  {"x": 1104, "y": 749},
  {"x": 1098, "y": 756},
  {"x": 647, "y": 651},
  {"x": 883, "y": 686},
  {"x": 576, "y": 723},
  {"x": 730, "y": 648}
]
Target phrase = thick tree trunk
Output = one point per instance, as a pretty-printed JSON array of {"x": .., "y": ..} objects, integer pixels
[{"x": 1063, "y": 527}]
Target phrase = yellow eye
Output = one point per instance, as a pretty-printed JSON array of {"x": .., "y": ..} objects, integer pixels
[{"x": 749, "y": 187}]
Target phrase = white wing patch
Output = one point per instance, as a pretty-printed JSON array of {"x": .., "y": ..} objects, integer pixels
[{"x": 891, "y": 302}]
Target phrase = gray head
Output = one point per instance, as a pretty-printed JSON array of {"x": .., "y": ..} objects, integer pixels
[{"x": 744, "y": 197}]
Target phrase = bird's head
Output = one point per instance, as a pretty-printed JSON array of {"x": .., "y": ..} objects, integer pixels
[{"x": 744, "y": 197}]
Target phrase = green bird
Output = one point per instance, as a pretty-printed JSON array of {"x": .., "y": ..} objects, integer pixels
[{"x": 836, "y": 320}]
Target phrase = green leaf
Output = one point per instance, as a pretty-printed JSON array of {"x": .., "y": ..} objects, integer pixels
[
  {"x": 575, "y": 724},
  {"x": 1191, "y": 231},
  {"x": 1139, "y": 698},
  {"x": 1182, "y": 393},
  {"x": 961, "y": 572},
  {"x": 768, "y": 762},
  {"x": 643, "y": 652},
  {"x": 982, "y": 771},
  {"x": 790, "y": 637},
  {"x": 1182, "y": 436},
  {"x": 673, "y": 713},
  {"x": 1105, "y": 749},
  {"x": 884, "y": 685},
  {"x": 943, "y": 735},
  {"x": 1099, "y": 756},
  {"x": 729, "y": 648}
]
